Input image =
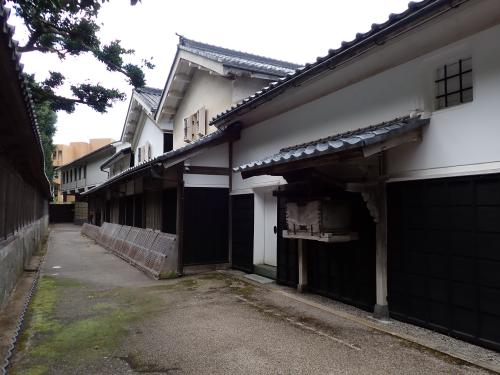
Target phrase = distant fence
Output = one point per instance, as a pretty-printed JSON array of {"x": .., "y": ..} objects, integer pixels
[{"x": 151, "y": 251}]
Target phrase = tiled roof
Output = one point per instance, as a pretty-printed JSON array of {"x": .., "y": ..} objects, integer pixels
[
  {"x": 415, "y": 12},
  {"x": 150, "y": 96},
  {"x": 208, "y": 140},
  {"x": 237, "y": 59},
  {"x": 7, "y": 32},
  {"x": 338, "y": 142}
]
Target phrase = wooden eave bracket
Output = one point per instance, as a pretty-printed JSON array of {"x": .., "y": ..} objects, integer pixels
[{"x": 412, "y": 136}]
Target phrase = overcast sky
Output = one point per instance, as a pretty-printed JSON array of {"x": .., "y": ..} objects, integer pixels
[{"x": 295, "y": 31}]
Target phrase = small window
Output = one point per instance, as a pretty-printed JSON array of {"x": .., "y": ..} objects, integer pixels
[
  {"x": 84, "y": 171},
  {"x": 149, "y": 151},
  {"x": 139, "y": 154},
  {"x": 79, "y": 173},
  {"x": 454, "y": 84}
]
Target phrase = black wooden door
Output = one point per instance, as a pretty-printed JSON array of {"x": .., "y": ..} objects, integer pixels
[
  {"x": 346, "y": 271},
  {"x": 242, "y": 231},
  {"x": 444, "y": 256},
  {"x": 287, "y": 272},
  {"x": 206, "y": 222}
]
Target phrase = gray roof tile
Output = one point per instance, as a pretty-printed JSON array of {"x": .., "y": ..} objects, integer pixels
[
  {"x": 414, "y": 12},
  {"x": 150, "y": 96},
  {"x": 338, "y": 142},
  {"x": 237, "y": 59}
]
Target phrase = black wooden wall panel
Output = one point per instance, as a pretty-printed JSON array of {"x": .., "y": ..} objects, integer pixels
[
  {"x": 444, "y": 256},
  {"x": 346, "y": 271},
  {"x": 205, "y": 225},
  {"x": 242, "y": 231}
]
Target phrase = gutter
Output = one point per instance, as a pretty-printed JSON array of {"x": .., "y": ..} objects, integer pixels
[{"x": 347, "y": 52}]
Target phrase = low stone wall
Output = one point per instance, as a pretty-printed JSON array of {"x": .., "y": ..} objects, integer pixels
[
  {"x": 151, "y": 251},
  {"x": 16, "y": 250}
]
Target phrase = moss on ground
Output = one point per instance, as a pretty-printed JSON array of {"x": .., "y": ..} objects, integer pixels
[{"x": 52, "y": 337}]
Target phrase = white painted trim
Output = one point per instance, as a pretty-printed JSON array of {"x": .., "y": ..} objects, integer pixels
[{"x": 455, "y": 171}]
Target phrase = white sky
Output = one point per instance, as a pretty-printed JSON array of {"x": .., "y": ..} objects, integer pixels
[{"x": 296, "y": 31}]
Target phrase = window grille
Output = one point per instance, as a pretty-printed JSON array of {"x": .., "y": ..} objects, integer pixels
[{"x": 454, "y": 84}]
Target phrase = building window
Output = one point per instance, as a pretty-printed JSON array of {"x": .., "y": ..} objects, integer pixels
[
  {"x": 63, "y": 178},
  {"x": 84, "y": 171},
  {"x": 454, "y": 84},
  {"x": 168, "y": 142},
  {"x": 79, "y": 173},
  {"x": 139, "y": 154}
]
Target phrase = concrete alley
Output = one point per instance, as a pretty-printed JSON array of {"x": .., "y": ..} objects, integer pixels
[{"x": 95, "y": 314}]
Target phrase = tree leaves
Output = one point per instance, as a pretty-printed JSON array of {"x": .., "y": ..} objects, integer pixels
[{"x": 69, "y": 28}]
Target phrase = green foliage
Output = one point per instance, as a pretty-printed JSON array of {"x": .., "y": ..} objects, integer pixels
[{"x": 69, "y": 28}]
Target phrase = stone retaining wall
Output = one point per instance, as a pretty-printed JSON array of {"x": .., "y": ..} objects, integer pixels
[{"x": 15, "y": 252}]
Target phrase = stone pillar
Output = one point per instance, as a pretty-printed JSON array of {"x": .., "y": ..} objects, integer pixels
[{"x": 302, "y": 286}]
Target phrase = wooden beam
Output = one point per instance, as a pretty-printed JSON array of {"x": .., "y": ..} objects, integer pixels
[
  {"x": 180, "y": 219},
  {"x": 216, "y": 171},
  {"x": 413, "y": 136},
  {"x": 180, "y": 77},
  {"x": 175, "y": 94},
  {"x": 169, "y": 110}
]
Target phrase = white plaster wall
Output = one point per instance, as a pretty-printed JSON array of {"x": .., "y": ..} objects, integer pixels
[
  {"x": 462, "y": 135},
  {"x": 205, "y": 90},
  {"x": 152, "y": 134},
  {"x": 217, "y": 156},
  {"x": 243, "y": 87},
  {"x": 94, "y": 174}
]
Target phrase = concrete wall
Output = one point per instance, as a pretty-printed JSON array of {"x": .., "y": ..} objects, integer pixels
[{"x": 16, "y": 250}]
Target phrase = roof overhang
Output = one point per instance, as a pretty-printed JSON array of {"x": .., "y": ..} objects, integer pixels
[
  {"x": 116, "y": 157},
  {"x": 172, "y": 158},
  {"x": 359, "y": 144},
  {"x": 426, "y": 26}
]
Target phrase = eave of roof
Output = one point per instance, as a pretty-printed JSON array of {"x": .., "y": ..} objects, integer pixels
[
  {"x": 348, "y": 141},
  {"x": 116, "y": 156},
  {"x": 237, "y": 59},
  {"x": 172, "y": 157},
  {"x": 148, "y": 98},
  {"x": 416, "y": 12},
  {"x": 197, "y": 48},
  {"x": 7, "y": 33},
  {"x": 103, "y": 149}
]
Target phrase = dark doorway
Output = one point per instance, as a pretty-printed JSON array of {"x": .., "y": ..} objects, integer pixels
[
  {"x": 205, "y": 226},
  {"x": 138, "y": 211},
  {"x": 287, "y": 252},
  {"x": 169, "y": 211},
  {"x": 122, "y": 210},
  {"x": 242, "y": 231},
  {"x": 444, "y": 256}
]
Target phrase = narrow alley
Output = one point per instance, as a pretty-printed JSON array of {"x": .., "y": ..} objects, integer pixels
[{"x": 95, "y": 314}]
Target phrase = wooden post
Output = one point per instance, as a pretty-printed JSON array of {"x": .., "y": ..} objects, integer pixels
[
  {"x": 381, "y": 309},
  {"x": 230, "y": 206},
  {"x": 180, "y": 218},
  {"x": 302, "y": 286}
]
